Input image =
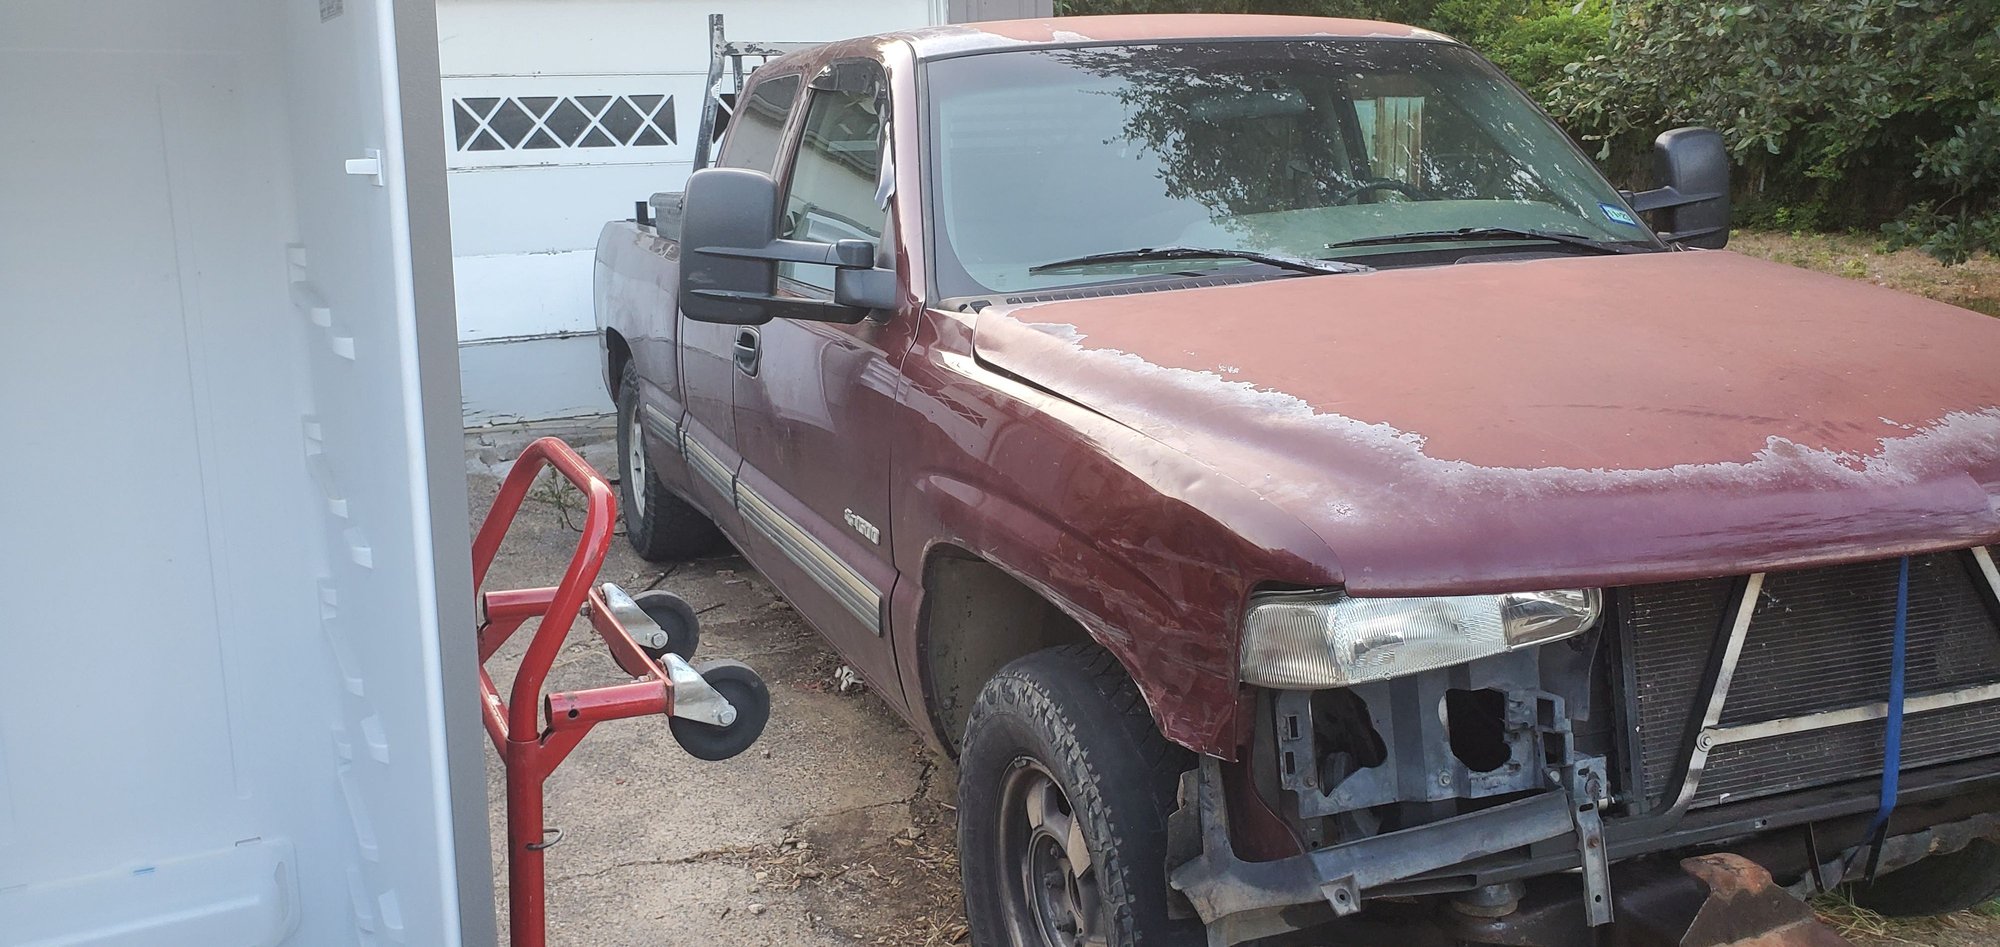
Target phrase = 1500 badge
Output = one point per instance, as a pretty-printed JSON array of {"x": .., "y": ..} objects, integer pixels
[{"x": 865, "y": 528}]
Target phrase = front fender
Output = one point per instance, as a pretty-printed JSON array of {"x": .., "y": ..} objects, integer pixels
[{"x": 1150, "y": 551}]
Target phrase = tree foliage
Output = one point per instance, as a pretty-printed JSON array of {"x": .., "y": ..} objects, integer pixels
[
  {"x": 1531, "y": 39},
  {"x": 1840, "y": 112}
]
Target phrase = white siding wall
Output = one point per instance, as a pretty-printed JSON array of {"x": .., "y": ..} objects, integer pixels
[{"x": 525, "y": 219}]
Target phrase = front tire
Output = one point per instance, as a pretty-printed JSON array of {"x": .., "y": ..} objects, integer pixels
[
  {"x": 1065, "y": 786},
  {"x": 661, "y": 526}
]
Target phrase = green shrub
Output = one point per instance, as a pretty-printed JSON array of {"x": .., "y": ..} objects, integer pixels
[
  {"x": 1532, "y": 40},
  {"x": 1841, "y": 113}
]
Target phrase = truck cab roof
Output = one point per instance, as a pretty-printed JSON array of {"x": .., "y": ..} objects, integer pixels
[{"x": 966, "y": 38}]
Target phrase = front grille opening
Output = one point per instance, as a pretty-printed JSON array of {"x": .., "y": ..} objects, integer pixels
[
  {"x": 1819, "y": 640},
  {"x": 1476, "y": 721},
  {"x": 1348, "y": 740}
]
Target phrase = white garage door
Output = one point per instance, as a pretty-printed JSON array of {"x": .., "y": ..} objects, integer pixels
[{"x": 562, "y": 114}]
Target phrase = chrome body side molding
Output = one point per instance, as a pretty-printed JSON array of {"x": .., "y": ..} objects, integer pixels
[
  {"x": 852, "y": 590},
  {"x": 667, "y": 427},
  {"x": 847, "y": 586},
  {"x": 709, "y": 467}
]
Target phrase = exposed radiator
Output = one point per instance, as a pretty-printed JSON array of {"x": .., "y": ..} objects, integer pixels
[{"x": 1819, "y": 640}]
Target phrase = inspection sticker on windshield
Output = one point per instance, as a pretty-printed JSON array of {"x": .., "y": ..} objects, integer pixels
[{"x": 1618, "y": 215}]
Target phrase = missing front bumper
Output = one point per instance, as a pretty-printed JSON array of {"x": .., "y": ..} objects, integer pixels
[
  {"x": 1241, "y": 900},
  {"x": 1532, "y": 840}
]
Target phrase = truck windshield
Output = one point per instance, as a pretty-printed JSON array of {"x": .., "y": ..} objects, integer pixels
[{"x": 1357, "y": 150}]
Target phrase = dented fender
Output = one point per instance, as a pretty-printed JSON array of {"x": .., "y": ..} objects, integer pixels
[{"x": 1147, "y": 549}]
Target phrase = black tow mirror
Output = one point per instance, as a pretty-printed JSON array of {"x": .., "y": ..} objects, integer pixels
[
  {"x": 1690, "y": 192},
  {"x": 730, "y": 253},
  {"x": 727, "y": 207}
]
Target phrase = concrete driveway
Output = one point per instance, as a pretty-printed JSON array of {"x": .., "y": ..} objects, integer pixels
[{"x": 837, "y": 828}]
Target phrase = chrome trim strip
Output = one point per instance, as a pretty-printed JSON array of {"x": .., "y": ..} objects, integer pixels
[
  {"x": 669, "y": 428},
  {"x": 1718, "y": 736},
  {"x": 1985, "y": 557},
  {"x": 710, "y": 468},
  {"x": 1712, "y": 715},
  {"x": 838, "y": 578}
]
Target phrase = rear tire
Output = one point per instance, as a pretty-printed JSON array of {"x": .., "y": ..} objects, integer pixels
[
  {"x": 661, "y": 526},
  {"x": 1065, "y": 786},
  {"x": 1940, "y": 884}
]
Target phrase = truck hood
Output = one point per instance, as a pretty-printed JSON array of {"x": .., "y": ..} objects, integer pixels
[{"x": 1579, "y": 421}]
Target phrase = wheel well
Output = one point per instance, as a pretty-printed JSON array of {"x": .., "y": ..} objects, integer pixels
[
  {"x": 616, "y": 354},
  {"x": 977, "y": 618}
]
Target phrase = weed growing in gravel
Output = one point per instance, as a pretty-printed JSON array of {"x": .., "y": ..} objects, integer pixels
[{"x": 554, "y": 490}]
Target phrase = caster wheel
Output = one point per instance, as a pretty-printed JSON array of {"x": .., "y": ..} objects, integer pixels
[
  {"x": 675, "y": 617},
  {"x": 745, "y": 691}
]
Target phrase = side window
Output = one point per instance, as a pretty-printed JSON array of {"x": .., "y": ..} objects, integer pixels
[
  {"x": 758, "y": 125},
  {"x": 834, "y": 178}
]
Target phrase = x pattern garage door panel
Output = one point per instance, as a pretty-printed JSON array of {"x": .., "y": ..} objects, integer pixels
[
  {"x": 550, "y": 122},
  {"x": 539, "y": 121}
]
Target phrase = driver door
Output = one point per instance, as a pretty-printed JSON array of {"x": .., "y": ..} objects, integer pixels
[{"x": 815, "y": 402}]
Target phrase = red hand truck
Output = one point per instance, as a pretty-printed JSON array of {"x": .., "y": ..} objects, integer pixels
[{"x": 715, "y": 711}]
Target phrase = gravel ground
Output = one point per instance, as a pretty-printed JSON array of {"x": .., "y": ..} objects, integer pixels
[{"x": 838, "y": 828}]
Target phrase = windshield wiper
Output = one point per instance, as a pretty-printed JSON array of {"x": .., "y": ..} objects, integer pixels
[
  {"x": 1488, "y": 233},
  {"x": 1147, "y": 254}
]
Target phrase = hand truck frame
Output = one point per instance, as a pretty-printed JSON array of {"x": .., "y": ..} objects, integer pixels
[{"x": 715, "y": 711}]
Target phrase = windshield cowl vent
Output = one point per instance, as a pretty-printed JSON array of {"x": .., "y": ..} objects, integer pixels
[{"x": 1127, "y": 289}]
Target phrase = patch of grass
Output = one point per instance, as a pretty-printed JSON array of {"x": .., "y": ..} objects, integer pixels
[
  {"x": 1975, "y": 928},
  {"x": 1973, "y": 285},
  {"x": 1838, "y": 911}
]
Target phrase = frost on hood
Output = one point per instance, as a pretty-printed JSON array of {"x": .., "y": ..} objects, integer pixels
[{"x": 1959, "y": 441}]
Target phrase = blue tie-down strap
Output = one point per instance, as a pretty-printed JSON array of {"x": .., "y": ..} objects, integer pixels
[{"x": 1892, "y": 737}]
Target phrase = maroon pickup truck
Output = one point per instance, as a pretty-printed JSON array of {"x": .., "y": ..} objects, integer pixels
[{"x": 1300, "y": 490}]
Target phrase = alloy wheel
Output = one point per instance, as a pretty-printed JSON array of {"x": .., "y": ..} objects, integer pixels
[
  {"x": 1052, "y": 898},
  {"x": 635, "y": 460}
]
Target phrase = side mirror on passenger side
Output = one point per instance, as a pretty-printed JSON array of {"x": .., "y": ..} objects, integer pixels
[
  {"x": 1690, "y": 188},
  {"x": 730, "y": 253}
]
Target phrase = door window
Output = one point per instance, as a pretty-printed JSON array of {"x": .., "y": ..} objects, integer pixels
[
  {"x": 758, "y": 126},
  {"x": 835, "y": 179}
]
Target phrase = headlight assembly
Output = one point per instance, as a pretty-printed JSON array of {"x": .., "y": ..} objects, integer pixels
[{"x": 1299, "y": 640}]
